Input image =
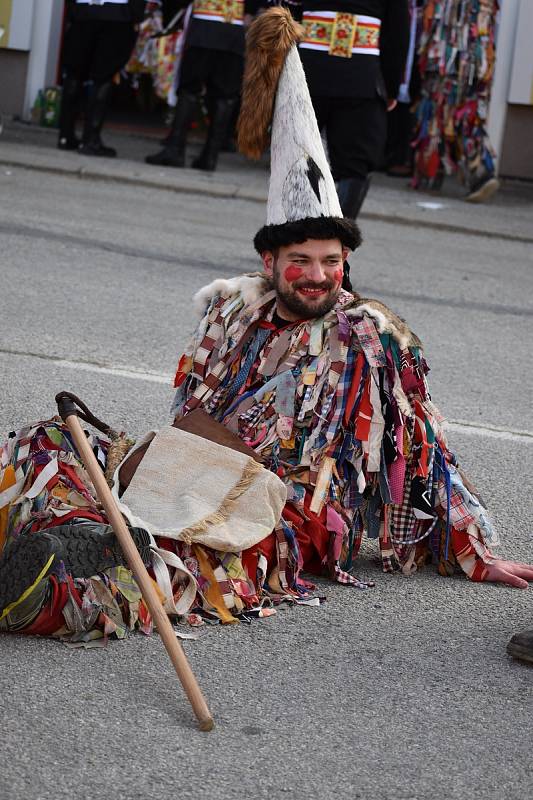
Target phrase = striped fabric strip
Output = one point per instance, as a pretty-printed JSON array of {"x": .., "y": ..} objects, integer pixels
[
  {"x": 228, "y": 11},
  {"x": 341, "y": 34}
]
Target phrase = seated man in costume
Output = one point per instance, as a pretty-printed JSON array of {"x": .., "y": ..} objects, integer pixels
[{"x": 328, "y": 388}]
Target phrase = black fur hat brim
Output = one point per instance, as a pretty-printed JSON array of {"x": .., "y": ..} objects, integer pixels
[{"x": 270, "y": 237}]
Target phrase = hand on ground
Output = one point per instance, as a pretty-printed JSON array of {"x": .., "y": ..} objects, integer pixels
[{"x": 513, "y": 573}]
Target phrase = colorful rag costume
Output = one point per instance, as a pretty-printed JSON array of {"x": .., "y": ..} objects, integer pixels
[
  {"x": 456, "y": 57},
  {"x": 336, "y": 405},
  {"x": 339, "y": 407}
]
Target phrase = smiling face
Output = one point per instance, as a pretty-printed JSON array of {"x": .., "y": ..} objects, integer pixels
[{"x": 307, "y": 277}]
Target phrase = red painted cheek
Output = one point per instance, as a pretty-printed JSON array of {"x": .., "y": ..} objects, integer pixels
[
  {"x": 338, "y": 275},
  {"x": 292, "y": 273}
]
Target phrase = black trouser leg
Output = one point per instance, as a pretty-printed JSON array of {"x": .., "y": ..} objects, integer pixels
[
  {"x": 97, "y": 104},
  {"x": 352, "y": 193},
  {"x": 222, "y": 115},
  {"x": 70, "y": 97},
  {"x": 173, "y": 154}
]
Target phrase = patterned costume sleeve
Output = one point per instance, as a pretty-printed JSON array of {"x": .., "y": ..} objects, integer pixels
[
  {"x": 192, "y": 362},
  {"x": 410, "y": 492}
]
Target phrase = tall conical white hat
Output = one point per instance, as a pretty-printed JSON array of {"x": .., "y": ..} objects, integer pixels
[
  {"x": 301, "y": 184},
  {"x": 276, "y": 105}
]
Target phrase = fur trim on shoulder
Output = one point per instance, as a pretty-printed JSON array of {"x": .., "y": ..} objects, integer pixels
[
  {"x": 268, "y": 40},
  {"x": 251, "y": 286},
  {"x": 388, "y": 322}
]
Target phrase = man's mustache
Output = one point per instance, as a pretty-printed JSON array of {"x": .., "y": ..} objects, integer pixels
[{"x": 324, "y": 285}]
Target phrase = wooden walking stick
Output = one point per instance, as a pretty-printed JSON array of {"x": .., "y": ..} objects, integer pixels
[{"x": 69, "y": 413}]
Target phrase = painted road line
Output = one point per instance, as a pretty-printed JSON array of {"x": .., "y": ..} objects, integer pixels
[
  {"x": 491, "y": 431},
  {"x": 134, "y": 373},
  {"x": 120, "y": 372}
]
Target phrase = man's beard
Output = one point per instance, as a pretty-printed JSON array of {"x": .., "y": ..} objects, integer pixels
[{"x": 297, "y": 304}]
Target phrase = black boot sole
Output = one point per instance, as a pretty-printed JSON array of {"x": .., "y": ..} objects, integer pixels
[
  {"x": 24, "y": 561},
  {"x": 87, "y": 551}
]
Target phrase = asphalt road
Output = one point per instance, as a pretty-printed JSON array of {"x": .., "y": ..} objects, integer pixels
[{"x": 403, "y": 691}]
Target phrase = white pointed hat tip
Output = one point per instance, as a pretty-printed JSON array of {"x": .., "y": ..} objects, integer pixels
[{"x": 301, "y": 183}]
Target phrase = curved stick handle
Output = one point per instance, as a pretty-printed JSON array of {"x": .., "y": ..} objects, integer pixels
[{"x": 68, "y": 403}]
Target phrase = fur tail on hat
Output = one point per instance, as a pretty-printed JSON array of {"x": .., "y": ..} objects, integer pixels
[{"x": 269, "y": 39}]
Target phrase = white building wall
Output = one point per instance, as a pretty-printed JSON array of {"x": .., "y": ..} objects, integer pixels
[
  {"x": 44, "y": 49},
  {"x": 502, "y": 76},
  {"x": 19, "y": 29}
]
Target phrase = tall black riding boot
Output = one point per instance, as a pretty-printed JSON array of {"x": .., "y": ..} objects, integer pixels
[
  {"x": 173, "y": 153},
  {"x": 70, "y": 97},
  {"x": 352, "y": 193},
  {"x": 97, "y": 103},
  {"x": 222, "y": 116}
]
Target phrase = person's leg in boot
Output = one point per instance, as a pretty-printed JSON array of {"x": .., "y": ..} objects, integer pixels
[
  {"x": 173, "y": 153},
  {"x": 229, "y": 144},
  {"x": 352, "y": 192},
  {"x": 223, "y": 81},
  {"x": 356, "y": 132},
  {"x": 78, "y": 48},
  {"x": 113, "y": 42},
  {"x": 194, "y": 68},
  {"x": 70, "y": 98},
  {"x": 223, "y": 110},
  {"x": 481, "y": 180},
  {"x": 399, "y": 154},
  {"x": 97, "y": 103}
]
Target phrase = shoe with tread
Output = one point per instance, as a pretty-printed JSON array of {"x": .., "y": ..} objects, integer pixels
[
  {"x": 483, "y": 190},
  {"x": 23, "y": 564},
  {"x": 89, "y": 548}
]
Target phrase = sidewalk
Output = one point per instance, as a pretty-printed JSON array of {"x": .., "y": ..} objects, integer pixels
[{"x": 509, "y": 215}]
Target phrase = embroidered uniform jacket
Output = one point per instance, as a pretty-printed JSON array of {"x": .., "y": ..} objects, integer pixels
[
  {"x": 359, "y": 74},
  {"x": 208, "y": 33}
]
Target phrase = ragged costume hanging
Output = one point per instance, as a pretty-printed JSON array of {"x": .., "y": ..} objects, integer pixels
[
  {"x": 339, "y": 407},
  {"x": 335, "y": 404},
  {"x": 456, "y": 57}
]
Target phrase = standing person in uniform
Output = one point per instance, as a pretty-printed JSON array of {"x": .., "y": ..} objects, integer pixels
[
  {"x": 98, "y": 42},
  {"x": 353, "y": 53},
  {"x": 213, "y": 60}
]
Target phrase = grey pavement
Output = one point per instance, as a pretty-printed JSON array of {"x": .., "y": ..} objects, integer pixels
[
  {"x": 403, "y": 691},
  {"x": 508, "y": 215}
]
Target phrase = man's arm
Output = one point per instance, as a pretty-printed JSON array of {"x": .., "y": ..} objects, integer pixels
[{"x": 394, "y": 44}]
